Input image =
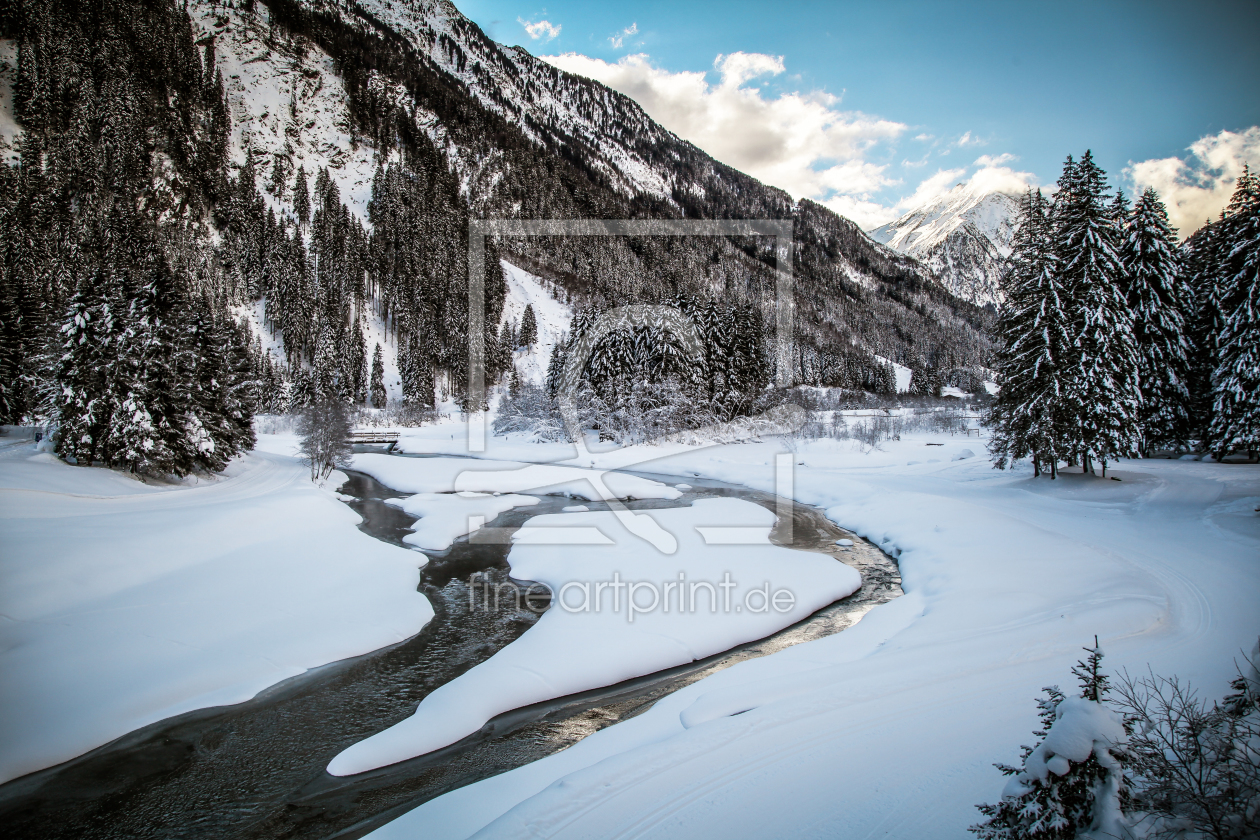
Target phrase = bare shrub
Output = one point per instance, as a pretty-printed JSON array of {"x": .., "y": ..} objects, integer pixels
[
  {"x": 1196, "y": 766},
  {"x": 641, "y": 412},
  {"x": 395, "y": 414},
  {"x": 324, "y": 429}
]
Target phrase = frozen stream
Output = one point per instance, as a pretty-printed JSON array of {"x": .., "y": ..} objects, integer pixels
[{"x": 256, "y": 769}]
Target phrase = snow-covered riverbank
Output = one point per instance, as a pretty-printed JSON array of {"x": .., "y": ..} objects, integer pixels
[
  {"x": 890, "y": 728},
  {"x": 126, "y": 603}
]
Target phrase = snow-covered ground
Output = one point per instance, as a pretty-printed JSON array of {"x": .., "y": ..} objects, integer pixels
[
  {"x": 525, "y": 289},
  {"x": 890, "y": 728},
  {"x": 442, "y": 518},
  {"x": 125, "y": 603}
]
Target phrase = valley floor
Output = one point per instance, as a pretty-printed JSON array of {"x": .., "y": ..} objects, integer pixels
[
  {"x": 890, "y": 728},
  {"x": 125, "y": 603}
]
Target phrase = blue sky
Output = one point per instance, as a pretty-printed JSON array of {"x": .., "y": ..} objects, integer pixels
[{"x": 873, "y": 107}]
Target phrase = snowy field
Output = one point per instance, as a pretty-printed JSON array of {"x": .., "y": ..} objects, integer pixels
[
  {"x": 125, "y": 603},
  {"x": 889, "y": 729}
]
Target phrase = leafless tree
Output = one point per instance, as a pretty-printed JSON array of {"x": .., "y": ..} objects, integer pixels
[
  {"x": 1196, "y": 765},
  {"x": 324, "y": 429}
]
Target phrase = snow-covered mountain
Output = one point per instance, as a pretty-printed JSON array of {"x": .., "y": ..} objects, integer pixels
[
  {"x": 285, "y": 66},
  {"x": 312, "y": 165},
  {"x": 963, "y": 237}
]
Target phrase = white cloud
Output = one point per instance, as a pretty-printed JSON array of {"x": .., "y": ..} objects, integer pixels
[
  {"x": 800, "y": 142},
  {"x": 992, "y": 160},
  {"x": 1197, "y": 188},
  {"x": 618, "y": 39},
  {"x": 967, "y": 140},
  {"x": 866, "y": 213},
  {"x": 542, "y": 29},
  {"x": 989, "y": 178}
]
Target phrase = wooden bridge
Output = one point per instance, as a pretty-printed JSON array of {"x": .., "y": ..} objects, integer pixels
[{"x": 367, "y": 436}]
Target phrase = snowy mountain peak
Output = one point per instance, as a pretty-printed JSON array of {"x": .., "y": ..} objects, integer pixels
[{"x": 964, "y": 236}]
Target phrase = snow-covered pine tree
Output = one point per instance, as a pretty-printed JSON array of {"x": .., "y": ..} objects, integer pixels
[
  {"x": 328, "y": 377},
  {"x": 415, "y": 368},
  {"x": 1102, "y": 400},
  {"x": 1119, "y": 210},
  {"x": 279, "y": 176},
  {"x": 1236, "y": 378},
  {"x": 146, "y": 422},
  {"x": 377, "y": 387},
  {"x": 529, "y": 327},
  {"x": 85, "y": 371},
  {"x": 1073, "y": 780},
  {"x": 925, "y": 377},
  {"x": 301, "y": 198},
  {"x": 1032, "y": 343},
  {"x": 1159, "y": 296},
  {"x": 750, "y": 364},
  {"x": 555, "y": 366},
  {"x": 1202, "y": 259}
]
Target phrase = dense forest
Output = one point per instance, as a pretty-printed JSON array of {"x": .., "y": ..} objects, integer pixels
[
  {"x": 1115, "y": 340},
  {"x": 134, "y": 235}
]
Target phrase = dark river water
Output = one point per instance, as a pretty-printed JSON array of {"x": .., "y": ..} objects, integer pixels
[{"x": 256, "y": 769}]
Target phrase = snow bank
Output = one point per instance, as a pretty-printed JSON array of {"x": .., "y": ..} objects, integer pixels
[
  {"x": 125, "y": 604},
  {"x": 447, "y": 475},
  {"x": 445, "y": 517},
  {"x": 717, "y": 598},
  {"x": 890, "y": 728}
]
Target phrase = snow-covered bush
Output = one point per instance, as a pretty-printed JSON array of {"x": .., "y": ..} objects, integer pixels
[
  {"x": 642, "y": 412},
  {"x": 528, "y": 408},
  {"x": 1072, "y": 784},
  {"x": 1196, "y": 766}
]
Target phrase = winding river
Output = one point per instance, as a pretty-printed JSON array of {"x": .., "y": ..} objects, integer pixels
[{"x": 256, "y": 769}]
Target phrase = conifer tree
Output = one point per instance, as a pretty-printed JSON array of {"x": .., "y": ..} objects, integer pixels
[
  {"x": 1202, "y": 259},
  {"x": 529, "y": 327},
  {"x": 1103, "y": 397},
  {"x": 84, "y": 404},
  {"x": 1033, "y": 343},
  {"x": 378, "y": 379},
  {"x": 279, "y": 177},
  {"x": 1236, "y": 377},
  {"x": 1070, "y": 785},
  {"x": 301, "y": 198},
  {"x": 555, "y": 365},
  {"x": 1159, "y": 298},
  {"x": 148, "y": 420}
]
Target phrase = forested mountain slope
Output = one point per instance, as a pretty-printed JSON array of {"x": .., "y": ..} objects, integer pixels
[{"x": 323, "y": 158}]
